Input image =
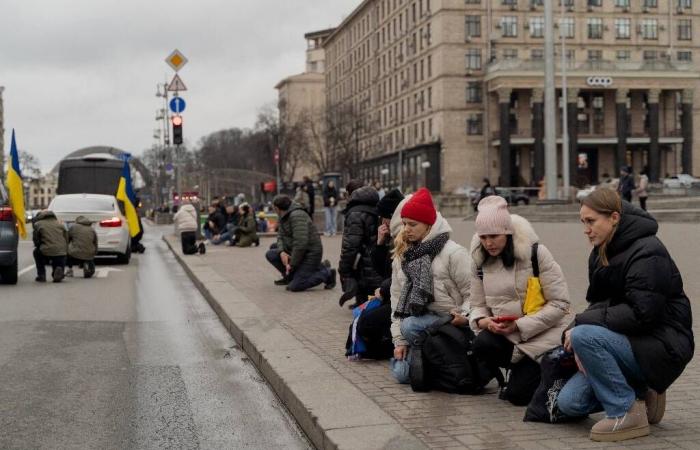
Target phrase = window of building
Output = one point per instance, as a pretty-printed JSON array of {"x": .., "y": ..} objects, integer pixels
[
  {"x": 430, "y": 66},
  {"x": 474, "y": 92},
  {"x": 510, "y": 53},
  {"x": 685, "y": 29},
  {"x": 685, "y": 56},
  {"x": 566, "y": 2},
  {"x": 650, "y": 29},
  {"x": 622, "y": 3},
  {"x": 649, "y": 55},
  {"x": 595, "y": 55},
  {"x": 537, "y": 27},
  {"x": 688, "y": 4},
  {"x": 650, "y": 3},
  {"x": 474, "y": 59},
  {"x": 537, "y": 54},
  {"x": 509, "y": 26},
  {"x": 475, "y": 124},
  {"x": 623, "y": 55},
  {"x": 473, "y": 26},
  {"x": 567, "y": 27},
  {"x": 622, "y": 28},
  {"x": 595, "y": 2},
  {"x": 430, "y": 97},
  {"x": 472, "y": 2},
  {"x": 595, "y": 28},
  {"x": 510, "y": 2}
]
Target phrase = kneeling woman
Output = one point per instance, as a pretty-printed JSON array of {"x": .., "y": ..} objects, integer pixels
[
  {"x": 502, "y": 262},
  {"x": 430, "y": 278},
  {"x": 636, "y": 336}
]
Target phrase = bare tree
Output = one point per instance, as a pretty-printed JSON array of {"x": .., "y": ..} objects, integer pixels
[
  {"x": 290, "y": 138},
  {"x": 29, "y": 165},
  {"x": 344, "y": 127}
]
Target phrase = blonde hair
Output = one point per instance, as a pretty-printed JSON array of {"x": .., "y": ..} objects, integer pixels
[
  {"x": 604, "y": 201},
  {"x": 401, "y": 244}
]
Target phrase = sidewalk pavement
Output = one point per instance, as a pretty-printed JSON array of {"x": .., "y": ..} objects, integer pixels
[{"x": 297, "y": 342}]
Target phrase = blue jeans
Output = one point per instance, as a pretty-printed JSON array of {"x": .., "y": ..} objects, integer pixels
[
  {"x": 613, "y": 379},
  {"x": 331, "y": 220},
  {"x": 412, "y": 329}
]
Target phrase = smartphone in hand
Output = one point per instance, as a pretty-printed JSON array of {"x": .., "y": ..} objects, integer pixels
[{"x": 502, "y": 319}]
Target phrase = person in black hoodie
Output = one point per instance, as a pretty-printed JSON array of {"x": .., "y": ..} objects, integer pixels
[
  {"x": 216, "y": 223},
  {"x": 635, "y": 338},
  {"x": 358, "y": 277}
]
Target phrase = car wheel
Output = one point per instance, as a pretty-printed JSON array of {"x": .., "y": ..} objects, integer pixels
[
  {"x": 9, "y": 273},
  {"x": 125, "y": 257}
]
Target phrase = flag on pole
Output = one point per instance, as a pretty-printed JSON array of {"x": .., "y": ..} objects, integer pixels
[
  {"x": 15, "y": 189},
  {"x": 125, "y": 193}
]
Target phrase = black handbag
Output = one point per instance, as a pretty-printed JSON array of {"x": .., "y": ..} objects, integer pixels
[{"x": 557, "y": 366}]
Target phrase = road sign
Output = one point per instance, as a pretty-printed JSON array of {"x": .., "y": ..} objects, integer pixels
[
  {"x": 177, "y": 105},
  {"x": 176, "y": 60},
  {"x": 177, "y": 84}
]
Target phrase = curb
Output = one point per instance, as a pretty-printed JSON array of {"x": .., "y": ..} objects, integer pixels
[{"x": 333, "y": 412}]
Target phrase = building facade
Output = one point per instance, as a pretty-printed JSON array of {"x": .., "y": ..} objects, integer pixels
[
  {"x": 40, "y": 191},
  {"x": 451, "y": 91}
]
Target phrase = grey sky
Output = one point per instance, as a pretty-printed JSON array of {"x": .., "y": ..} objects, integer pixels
[{"x": 84, "y": 72}]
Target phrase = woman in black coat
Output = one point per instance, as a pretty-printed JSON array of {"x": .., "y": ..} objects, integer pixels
[{"x": 636, "y": 336}]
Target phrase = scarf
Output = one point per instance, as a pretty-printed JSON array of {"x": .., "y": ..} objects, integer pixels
[{"x": 417, "y": 291}]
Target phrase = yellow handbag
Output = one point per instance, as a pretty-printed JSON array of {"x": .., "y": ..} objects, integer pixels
[{"x": 534, "y": 298}]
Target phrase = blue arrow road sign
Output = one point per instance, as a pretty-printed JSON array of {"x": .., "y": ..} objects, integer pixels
[{"x": 177, "y": 105}]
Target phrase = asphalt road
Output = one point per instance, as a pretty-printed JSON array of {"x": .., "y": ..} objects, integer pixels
[{"x": 132, "y": 359}]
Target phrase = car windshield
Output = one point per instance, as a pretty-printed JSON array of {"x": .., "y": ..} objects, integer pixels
[{"x": 78, "y": 204}]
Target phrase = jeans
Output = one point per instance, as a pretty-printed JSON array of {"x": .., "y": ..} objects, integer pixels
[
  {"x": 412, "y": 329},
  {"x": 613, "y": 379},
  {"x": 331, "y": 220},
  {"x": 304, "y": 277},
  {"x": 41, "y": 261}
]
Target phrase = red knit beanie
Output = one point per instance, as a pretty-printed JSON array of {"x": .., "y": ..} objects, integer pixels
[{"x": 420, "y": 207}]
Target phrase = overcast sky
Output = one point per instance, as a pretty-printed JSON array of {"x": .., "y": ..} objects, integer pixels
[{"x": 83, "y": 72}]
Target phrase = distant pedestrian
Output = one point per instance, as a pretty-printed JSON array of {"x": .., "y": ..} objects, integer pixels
[
  {"x": 626, "y": 184},
  {"x": 641, "y": 190},
  {"x": 330, "y": 205},
  {"x": 301, "y": 197},
  {"x": 262, "y": 222},
  {"x": 298, "y": 253},
  {"x": 380, "y": 189},
  {"x": 311, "y": 193},
  {"x": 82, "y": 247},
  {"x": 50, "y": 246},
  {"x": 486, "y": 190},
  {"x": 185, "y": 221}
]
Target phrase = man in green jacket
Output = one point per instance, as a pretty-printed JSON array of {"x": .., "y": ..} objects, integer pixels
[
  {"x": 82, "y": 247},
  {"x": 51, "y": 246},
  {"x": 298, "y": 252}
]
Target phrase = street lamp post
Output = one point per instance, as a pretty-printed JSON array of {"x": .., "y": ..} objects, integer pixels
[
  {"x": 564, "y": 110},
  {"x": 550, "y": 153}
]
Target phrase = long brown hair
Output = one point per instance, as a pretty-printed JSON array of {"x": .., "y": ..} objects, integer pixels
[{"x": 604, "y": 201}]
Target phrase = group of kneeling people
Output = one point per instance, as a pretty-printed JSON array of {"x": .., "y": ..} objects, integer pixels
[{"x": 630, "y": 344}]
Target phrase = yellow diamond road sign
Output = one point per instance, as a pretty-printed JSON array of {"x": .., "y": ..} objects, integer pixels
[{"x": 176, "y": 60}]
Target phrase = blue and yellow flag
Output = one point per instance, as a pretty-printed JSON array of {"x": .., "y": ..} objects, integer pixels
[
  {"x": 15, "y": 189},
  {"x": 125, "y": 193}
]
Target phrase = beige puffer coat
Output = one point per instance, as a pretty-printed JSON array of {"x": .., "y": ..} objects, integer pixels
[
  {"x": 186, "y": 219},
  {"x": 502, "y": 292},
  {"x": 450, "y": 279}
]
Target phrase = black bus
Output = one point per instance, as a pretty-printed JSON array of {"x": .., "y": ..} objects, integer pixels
[{"x": 90, "y": 174}]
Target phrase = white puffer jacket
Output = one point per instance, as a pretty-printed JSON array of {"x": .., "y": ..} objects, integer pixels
[
  {"x": 450, "y": 279},
  {"x": 185, "y": 219},
  {"x": 502, "y": 292}
]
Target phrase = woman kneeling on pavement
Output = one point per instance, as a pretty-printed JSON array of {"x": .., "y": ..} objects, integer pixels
[
  {"x": 503, "y": 253},
  {"x": 635, "y": 338},
  {"x": 430, "y": 278}
]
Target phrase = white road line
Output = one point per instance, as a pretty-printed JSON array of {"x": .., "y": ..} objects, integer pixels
[{"x": 25, "y": 270}]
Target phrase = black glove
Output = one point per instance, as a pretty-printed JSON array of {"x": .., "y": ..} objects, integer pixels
[{"x": 349, "y": 290}]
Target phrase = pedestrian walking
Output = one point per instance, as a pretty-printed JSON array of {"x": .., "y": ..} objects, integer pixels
[
  {"x": 50, "y": 246},
  {"x": 330, "y": 205},
  {"x": 298, "y": 253},
  {"x": 635, "y": 338},
  {"x": 185, "y": 221},
  {"x": 641, "y": 190},
  {"x": 82, "y": 247},
  {"x": 510, "y": 333},
  {"x": 430, "y": 278},
  {"x": 626, "y": 183}
]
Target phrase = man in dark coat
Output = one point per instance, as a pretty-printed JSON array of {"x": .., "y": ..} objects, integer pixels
[
  {"x": 311, "y": 192},
  {"x": 82, "y": 247},
  {"x": 381, "y": 254},
  {"x": 51, "y": 246},
  {"x": 357, "y": 274},
  {"x": 299, "y": 251},
  {"x": 216, "y": 222},
  {"x": 626, "y": 184}
]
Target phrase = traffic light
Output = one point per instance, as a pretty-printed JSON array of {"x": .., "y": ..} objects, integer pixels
[{"x": 177, "y": 129}]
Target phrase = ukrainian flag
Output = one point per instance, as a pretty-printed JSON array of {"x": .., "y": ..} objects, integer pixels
[
  {"x": 125, "y": 193},
  {"x": 15, "y": 188}
]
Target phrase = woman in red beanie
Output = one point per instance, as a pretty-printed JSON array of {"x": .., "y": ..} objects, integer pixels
[{"x": 430, "y": 278}]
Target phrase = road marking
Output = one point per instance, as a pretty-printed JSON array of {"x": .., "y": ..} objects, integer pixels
[
  {"x": 25, "y": 270},
  {"x": 103, "y": 272}
]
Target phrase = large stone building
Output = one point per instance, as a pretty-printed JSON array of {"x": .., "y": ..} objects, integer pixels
[
  {"x": 41, "y": 190},
  {"x": 452, "y": 90}
]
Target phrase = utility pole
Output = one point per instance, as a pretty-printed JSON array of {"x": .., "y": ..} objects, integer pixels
[
  {"x": 564, "y": 110},
  {"x": 2, "y": 137},
  {"x": 550, "y": 143}
]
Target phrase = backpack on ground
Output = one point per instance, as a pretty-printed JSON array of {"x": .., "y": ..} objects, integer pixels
[
  {"x": 558, "y": 366},
  {"x": 445, "y": 362}
]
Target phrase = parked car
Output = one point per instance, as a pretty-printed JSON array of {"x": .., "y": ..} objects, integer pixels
[
  {"x": 109, "y": 222},
  {"x": 682, "y": 180},
  {"x": 8, "y": 241},
  {"x": 514, "y": 196}
]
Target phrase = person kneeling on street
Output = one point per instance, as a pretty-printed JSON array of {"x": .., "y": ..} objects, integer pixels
[
  {"x": 636, "y": 336},
  {"x": 82, "y": 247},
  {"x": 51, "y": 246},
  {"x": 185, "y": 220},
  {"x": 512, "y": 334},
  {"x": 246, "y": 232},
  {"x": 299, "y": 251},
  {"x": 430, "y": 279}
]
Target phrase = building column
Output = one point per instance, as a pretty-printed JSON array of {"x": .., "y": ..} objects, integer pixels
[
  {"x": 621, "y": 125},
  {"x": 538, "y": 134},
  {"x": 506, "y": 177},
  {"x": 572, "y": 129},
  {"x": 654, "y": 155},
  {"x": 687, "y": 130}
]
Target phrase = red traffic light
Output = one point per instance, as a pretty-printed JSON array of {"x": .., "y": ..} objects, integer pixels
[{"x": 176, "y": 120}]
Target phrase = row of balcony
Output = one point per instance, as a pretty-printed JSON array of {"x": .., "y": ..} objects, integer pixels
[{"x": 530, "y": 65}]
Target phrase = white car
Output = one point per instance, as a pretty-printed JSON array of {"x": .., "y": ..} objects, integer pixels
[
  {"x": 108, "y": 221},
  {"x": 682, "y": 180}
]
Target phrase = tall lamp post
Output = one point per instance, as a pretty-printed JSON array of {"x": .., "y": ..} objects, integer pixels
[
  {"x": 565, "y": 154},
  {"x": 550, "y": 150}
]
